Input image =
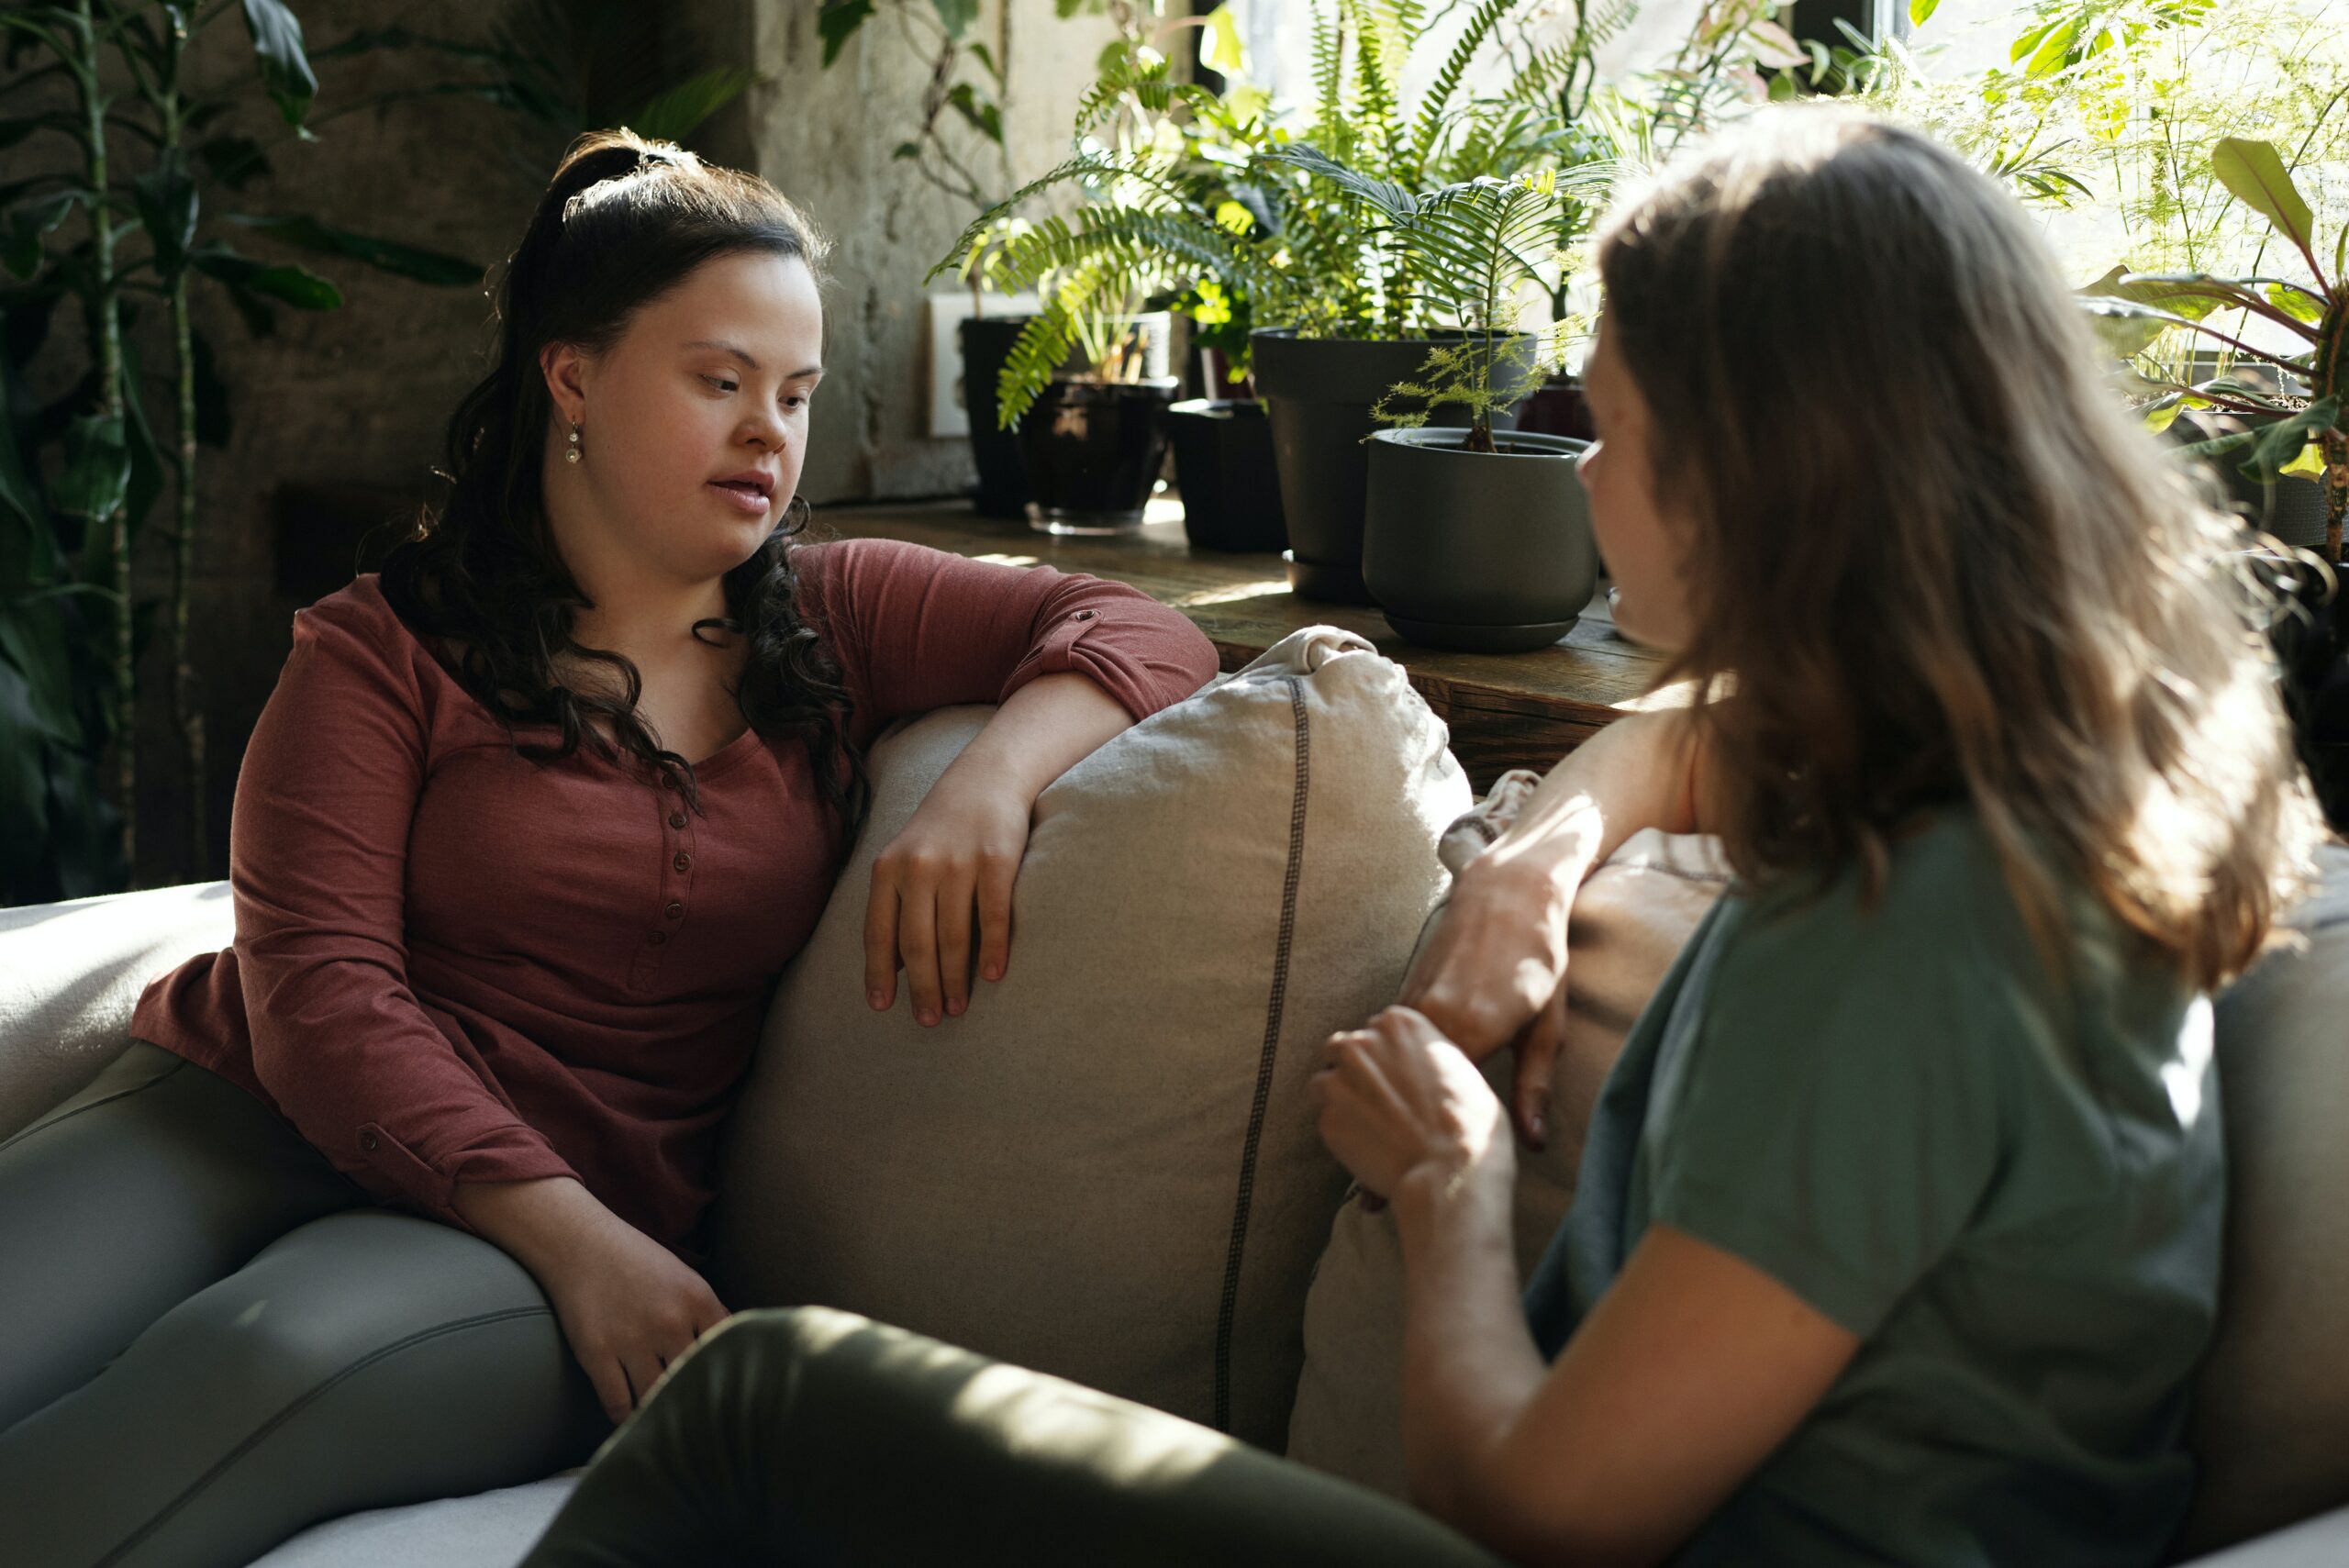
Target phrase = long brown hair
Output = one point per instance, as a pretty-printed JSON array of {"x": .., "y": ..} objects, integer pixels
[
  {"x": 623, "y": 221},
  {"x": 1934, "y": 560}
]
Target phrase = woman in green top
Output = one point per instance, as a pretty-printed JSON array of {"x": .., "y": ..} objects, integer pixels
[{"x": 1897, "y": 1237}]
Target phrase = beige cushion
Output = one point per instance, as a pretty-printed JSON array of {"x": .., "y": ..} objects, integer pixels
[
  {"x": 2272, "y": 1417},
  {"x": 1107, "y": 1169},
  {"x": 70, "y": 974},
  {"x": 1630, "y": 921}
]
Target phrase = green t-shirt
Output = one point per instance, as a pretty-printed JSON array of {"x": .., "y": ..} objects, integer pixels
[{"x": 2010, "y": 1191}]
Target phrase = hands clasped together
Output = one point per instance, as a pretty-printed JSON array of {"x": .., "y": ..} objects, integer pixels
[{"x": 1403, "y": 1099}]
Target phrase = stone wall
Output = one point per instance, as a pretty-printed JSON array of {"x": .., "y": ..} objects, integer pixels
[{"x": 827, "y": 140}]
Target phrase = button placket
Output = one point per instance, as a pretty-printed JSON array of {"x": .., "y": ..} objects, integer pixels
[{"x": 675, "y": 883}]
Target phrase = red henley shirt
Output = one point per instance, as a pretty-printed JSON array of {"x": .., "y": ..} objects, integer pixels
[{"x": 455, "y": 964}]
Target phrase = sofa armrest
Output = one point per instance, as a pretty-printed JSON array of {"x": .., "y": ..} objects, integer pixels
[{"x": 71, "y": 975}]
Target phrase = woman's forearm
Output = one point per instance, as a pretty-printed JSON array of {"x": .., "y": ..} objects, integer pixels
[
  {"x": 1046, "y": 727},
  {"x": 536, "y": 1223},
  {"x": 1638, "y": 771},
  {"x": 1470, "y": 1366}
]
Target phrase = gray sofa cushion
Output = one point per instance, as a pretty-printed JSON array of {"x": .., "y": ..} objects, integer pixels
[{"x": 2272, "y": 1418}]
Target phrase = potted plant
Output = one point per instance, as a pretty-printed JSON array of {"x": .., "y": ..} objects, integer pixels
[
  {"x": 1152, "y": 230},
  {"x": 2294, "y": 417},
  {"x": 1477, "y": 538},
  {"x": 959, "y": 130}
]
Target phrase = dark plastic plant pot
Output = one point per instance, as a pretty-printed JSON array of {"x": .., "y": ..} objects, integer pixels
[
  {"x": 1485, "y": 552},
  {"x": 1320, "y": 391},
  {"x": 1223, "y": 465},
  {"x": 1092, "y": 450},
  {"x": 1556, "y": 408},
  {"x": 986, "y": 342}
]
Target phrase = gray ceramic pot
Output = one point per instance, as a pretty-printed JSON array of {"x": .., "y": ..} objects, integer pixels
[
  {"x": 1320, "y": 392},
  {"x": 1486, "y": 552}
]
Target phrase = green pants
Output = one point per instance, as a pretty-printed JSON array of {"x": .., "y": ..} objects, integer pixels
[{"x": 809, "y": 1435}]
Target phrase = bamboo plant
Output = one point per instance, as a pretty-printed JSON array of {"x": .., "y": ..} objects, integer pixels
[{"x": 71, "y": 635}]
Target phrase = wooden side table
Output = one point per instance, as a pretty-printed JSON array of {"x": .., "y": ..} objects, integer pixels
[{"x": 1514, "y": 710}]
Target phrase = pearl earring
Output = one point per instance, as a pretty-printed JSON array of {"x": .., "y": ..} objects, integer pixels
[{"x": 571, "y": 455}]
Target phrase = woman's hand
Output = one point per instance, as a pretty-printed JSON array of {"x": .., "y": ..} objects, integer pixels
[
  {"x": 629, "y": 1307},
  {"x": 1398, "y": 1102},
  {"x": 942, "y": 895},
  {"x": 1494, "y": 974}
]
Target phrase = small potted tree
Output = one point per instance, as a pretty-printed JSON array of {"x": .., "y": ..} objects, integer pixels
[{"x": 1478, "y": 538}]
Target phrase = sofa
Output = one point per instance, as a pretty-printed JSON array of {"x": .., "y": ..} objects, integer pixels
[{"x": 1301, "y": 818}]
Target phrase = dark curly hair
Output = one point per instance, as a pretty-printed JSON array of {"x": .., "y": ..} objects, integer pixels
[{"x": 483, "y": 571}]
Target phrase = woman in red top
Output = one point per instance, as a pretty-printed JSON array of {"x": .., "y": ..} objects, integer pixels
[{"x": 525, "y": 835}]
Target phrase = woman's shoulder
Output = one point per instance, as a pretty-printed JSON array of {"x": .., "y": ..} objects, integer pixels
[
  {"x": 354, "y": 635},
  {"x": 834, "y": 559},
  {"x": 1945, "y": 947}
]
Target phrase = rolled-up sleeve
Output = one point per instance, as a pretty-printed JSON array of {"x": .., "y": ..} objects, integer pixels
[
  {"x": 919, "y": 629},
  {"x": 318, "y": 866}
]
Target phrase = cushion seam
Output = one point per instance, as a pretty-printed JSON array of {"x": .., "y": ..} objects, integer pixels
[
  {"x": 1266, "y": 1059},
  {"x": 23, "y": 1132},
  {"x": 304, "y": 1401}
]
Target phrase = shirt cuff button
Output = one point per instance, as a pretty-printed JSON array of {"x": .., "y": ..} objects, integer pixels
[{"x": 367, "y": 1140}]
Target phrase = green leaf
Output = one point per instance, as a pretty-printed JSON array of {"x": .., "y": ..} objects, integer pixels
[
  {"x": 2311, "y": 462},
  {"x": 2297, "y": 302},
  {"x": 16, "y": 130},
  {"x": 24, "y": 781},
  {"x": 2280, "y": 443},
  {"x": 675, "y": 115},
  {"x": 32, "y": 638},
  {"x": 84, "y": 830},
  {"x": 232, "y": 161},
  {"x": 284, "y": 68},
  {"x": 166, "y": 201},
  {"x": 20, "y": 249},
  {"x": 908, "y": 149},
  {"x": 149, "y": 464},
  {"x": 2254, "y": 171},
  {"x": 837, "y": 23},
  {"x": 1921, "y": 11},
  {"x": 956, "y": 16},
  {"x": 433, "y": 267},
  {"x": 2162, "y": 415},
  {"x": 97, "y": 468},
  {"x": 1220, "y": 48},
  {"x": 2053, "y": 50},
  {"x": 2126, "y": 327},
  {"x": 303, "y": 290},
  {"x": 985, "y": 57},
  {"x": 984, "y": 118},
  {"x": 21, "y": 496}
]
